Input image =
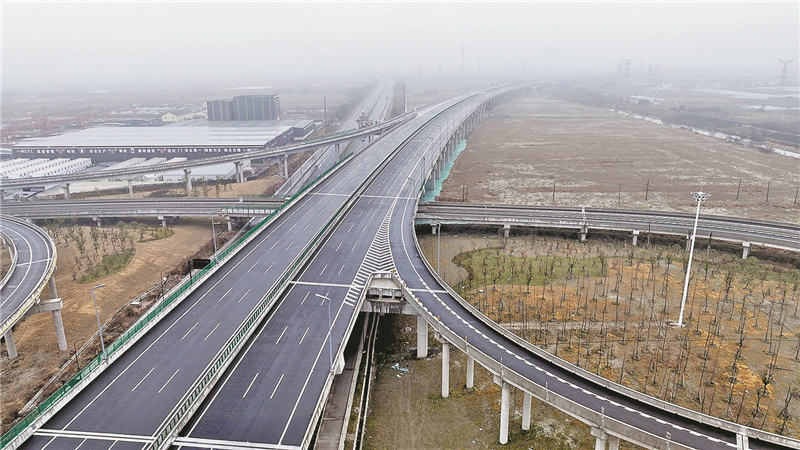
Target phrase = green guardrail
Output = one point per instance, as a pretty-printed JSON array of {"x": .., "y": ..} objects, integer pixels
[
  {"x": 88, "y": 369},
  {"x": 192, "y": 399}
]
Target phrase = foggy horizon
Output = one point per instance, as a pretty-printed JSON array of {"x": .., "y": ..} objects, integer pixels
[{"x": 70, "y": 45}]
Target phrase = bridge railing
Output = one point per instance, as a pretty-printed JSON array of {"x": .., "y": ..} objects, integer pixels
[
  {"x": 17, "y": 434},
  {"x": 192, "y": 400}
]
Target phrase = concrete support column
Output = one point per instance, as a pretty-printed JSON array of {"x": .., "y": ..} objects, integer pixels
[
  {"x": 445, "y": 369},
  {"x": 600, "y": 438},
  {"x": 742, "y": 441},
  {"x": 285, "y": 166},
  {"x": 422, "y": 337},
  {"x": 229, "y": 222},
  {"x": 506, "y": 230},
  {"x": 188, "y": 173},
  {"x": 745, "y": 250},
  {"x": 688, "y": 242},
  {"x": 430, "y": 184},
  {"x": 52, "y": 285},
  {"x": 584, "y": 232},
  {"x": 98, "y": 221},
  {"x": 130, "y": 187},
  {"x": 504, "y": 407},
  {"x": 613, "y": 443},
  {"x": 336, "y": 146},
  {"x": 526, "y": 411},
  {"x": 60, "y": 335},
  {"x": 239, "y": 176},
  {"x": 470, "y": 372},
  {"x": 635, "y": 237},
  {"x": 65, "y": 187},
  {"x": 10, "y": 345}
]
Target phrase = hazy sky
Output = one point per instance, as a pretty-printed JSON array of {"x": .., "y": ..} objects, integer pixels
[{"x": 100, "y": 44}]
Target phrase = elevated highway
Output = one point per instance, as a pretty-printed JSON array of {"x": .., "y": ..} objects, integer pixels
[
  {"x": 280, "y": 152},
  {"x": 270, "y": 394},
  {"x": 33, "y": 263}
]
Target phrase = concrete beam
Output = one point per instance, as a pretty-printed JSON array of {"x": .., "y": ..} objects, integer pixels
[{"x": 422, "y": 337}]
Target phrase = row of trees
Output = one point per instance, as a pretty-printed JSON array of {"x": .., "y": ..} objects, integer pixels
[{"x": 608, "y": 308}]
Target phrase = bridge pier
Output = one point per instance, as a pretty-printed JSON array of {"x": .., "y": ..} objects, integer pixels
[
  {"x": 584, "y": 232},
  {"x": 130, "y": 187},
  {"x": 239, "y": 175},
  {"x": 506, "y": 230},
  {"x": 470, "y": 372},
  {"x": 98, "y": 220},
  {"x": 65, "y": 187},
  {"x": 688, "y": 242},
  {"x": 745, "y": 250},
  {"x": 742, "y": 441},
  {"x": 422, "y": 337},
  {"x": 229, "y": 221},
  {"x": 600, "y": 438},
  {"x": 163, "y": 221},
  {"x": 445, "y": 369},
  {"x": 635, "y": 237},
  {"x": 10, "y": 345},
  {"x": 188, "y": 172},
  {"x": 504, "y": 408},
  {"x": 57, "y": 321},
  {"x": 285, "y": 166},
  {"x": 526, "y": 411}
]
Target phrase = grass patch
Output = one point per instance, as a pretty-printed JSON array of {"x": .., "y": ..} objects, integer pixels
[
  {"x": 109, "y": 265},
  {"x": 158, "y": 233}
]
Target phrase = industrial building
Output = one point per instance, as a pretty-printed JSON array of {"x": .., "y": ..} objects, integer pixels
[
  {"x": 189, "y": 138},
  {"x": 245, "y": 107}
]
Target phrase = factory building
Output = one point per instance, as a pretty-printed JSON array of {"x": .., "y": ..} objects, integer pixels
[{"x": 245, "y": 107}]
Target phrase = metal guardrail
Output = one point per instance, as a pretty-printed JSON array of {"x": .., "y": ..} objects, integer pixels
[
  {"x": 48, "y": 272},
  {"x": 22, "y": 430}
]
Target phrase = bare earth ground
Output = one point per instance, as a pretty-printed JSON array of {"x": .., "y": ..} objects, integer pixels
[
  {"x": 515, "y": 159},
  {"x": 592, "y": 154}
]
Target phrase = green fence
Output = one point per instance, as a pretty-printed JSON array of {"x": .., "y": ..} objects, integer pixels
[{"x": 151, "y": 315}]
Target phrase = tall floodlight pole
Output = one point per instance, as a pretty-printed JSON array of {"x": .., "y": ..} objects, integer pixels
[
  {"x": 330, "y": 329},
  {"x": 99, "y": 327},
  {"x": 699, "y": 197}
]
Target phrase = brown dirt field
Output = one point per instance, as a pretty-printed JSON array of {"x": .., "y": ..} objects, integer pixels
[
  {"x": 39, "y": 357},
  {"x": 408, "y": 412},
  {"x": 592, "y": 154}
]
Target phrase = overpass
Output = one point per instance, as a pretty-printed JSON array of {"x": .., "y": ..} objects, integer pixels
[
  {"x": 375, "y": 215},
  {"x": 33, "y": 261},
  {"x": 281, "y": 153}
]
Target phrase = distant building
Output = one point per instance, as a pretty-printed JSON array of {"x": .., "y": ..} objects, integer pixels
[
  {"x": 245, "y": 107},
  {"x": 180, "y": 114}
]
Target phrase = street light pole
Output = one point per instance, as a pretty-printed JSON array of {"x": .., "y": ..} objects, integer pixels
[
  {"x": 97, "y": 314},
  {"x": 699, "y": 197},
  {"x": 330, "y": 330},
  {"x": 438, "y": 226}
]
